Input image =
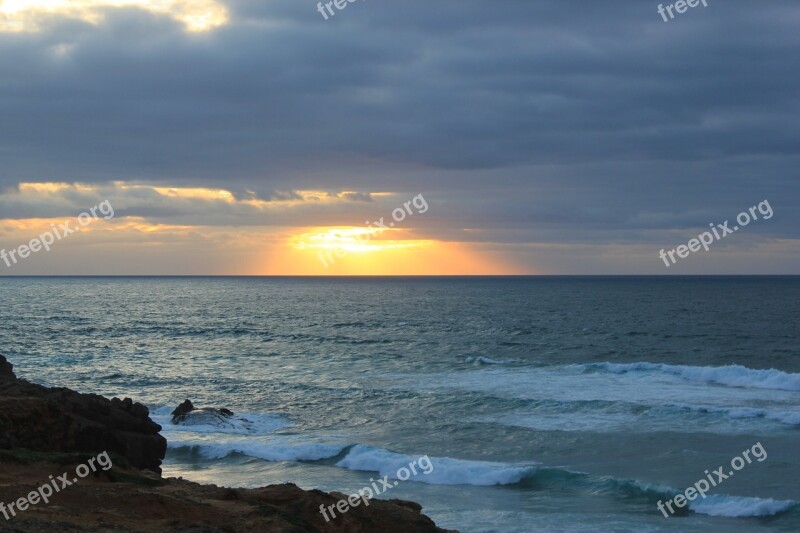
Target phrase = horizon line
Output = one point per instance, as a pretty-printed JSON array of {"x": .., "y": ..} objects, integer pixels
[{"x": 368, "y": 276}]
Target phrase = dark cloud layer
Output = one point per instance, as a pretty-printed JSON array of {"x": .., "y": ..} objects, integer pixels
[{"x": 537, "y": 121}]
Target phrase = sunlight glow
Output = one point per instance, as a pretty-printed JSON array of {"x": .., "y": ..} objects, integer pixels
[
  {"x": 196, "y": 193},
  {"x": 363, "y": 251},
  {"x": 305, "y": 196},
  {"x": 353, "y": 239},
  {"x": 53, "y": 188},
  {"x": 284, "y": 199},
  {"x": 26, "y": 15}
]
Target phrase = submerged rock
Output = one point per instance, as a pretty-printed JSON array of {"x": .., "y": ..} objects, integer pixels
[{"x": 186, "y": 414}]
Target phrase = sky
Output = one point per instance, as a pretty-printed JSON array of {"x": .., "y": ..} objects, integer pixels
[{"x": 275, "y": 137}]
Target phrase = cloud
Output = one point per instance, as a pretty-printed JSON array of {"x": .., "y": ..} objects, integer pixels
[
  {"x": 531, "y": 123},
  {"x": 197, "y": 206},
  {"x": 278, "y": 90},
  {"x": 38, "y": 15}
]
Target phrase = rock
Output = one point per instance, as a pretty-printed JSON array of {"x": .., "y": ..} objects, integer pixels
[
  {"x": 186, "y": 414},
  {"x": 45, "y": 419},
  {"x": 125, "y": 500},
  {"x": 6, "y": 369},
  {"x": 182, "y": 409}
]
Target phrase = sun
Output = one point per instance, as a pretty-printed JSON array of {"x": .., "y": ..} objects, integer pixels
[{"x": 353, "y": 240}]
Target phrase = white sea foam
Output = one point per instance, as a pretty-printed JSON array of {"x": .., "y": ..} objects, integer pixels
[
  {"x": 731, "y": 375},
  {"x": 490, "y": 361},
  {"x": 239, "y": 424},
  {"x": 626, "y": 416},
  {"x": 482, "y": 360},
  {"x": 739, "y": 506},
  {"x": 251, "y": 434},
  {"x": 791, "y": 418},
  {"x": 445, "y": 471},
  {"x": 605, "y": 397},
  {"x": 270, "y": 450},
  {"x": 717, "y": 504}
]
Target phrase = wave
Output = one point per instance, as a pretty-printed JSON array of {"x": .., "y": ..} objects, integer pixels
[
  {"x": 481, "y": 360},
  {"x": 606, "y": 397},
  {"x": 611, "y": 417},
  {"x": 359, "y": 457},
  {"x": 239, "y": 424},
  {"x": 740, "y": 506},
  {"x": 276, "y": 451},
  {"x": 450, "y": 471},
  {"x": 440, "y": 470},
  {"x": 791, "y": 418},
  {"x": 730, "y": 375},
  {"x": 722, "y": 505}
]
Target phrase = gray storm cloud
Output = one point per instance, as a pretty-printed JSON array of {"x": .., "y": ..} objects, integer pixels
[{"x": 536, "y": 122}]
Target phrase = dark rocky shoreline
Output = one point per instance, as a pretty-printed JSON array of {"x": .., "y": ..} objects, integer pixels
[{"x": 47, "y": 431}]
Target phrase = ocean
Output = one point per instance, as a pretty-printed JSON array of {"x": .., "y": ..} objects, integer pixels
[{"x": 542, "y": 403}]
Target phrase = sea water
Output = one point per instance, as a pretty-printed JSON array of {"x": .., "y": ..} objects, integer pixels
[{"x": 543, "y": 404}]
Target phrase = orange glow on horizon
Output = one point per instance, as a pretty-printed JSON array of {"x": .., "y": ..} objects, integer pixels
[
  {"x": 353, "y": 239},
  {"x": 346, "y": 251},
  {"x": 135, "y": 245}
]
